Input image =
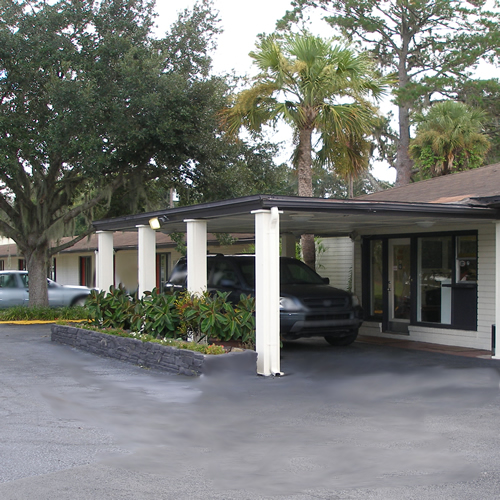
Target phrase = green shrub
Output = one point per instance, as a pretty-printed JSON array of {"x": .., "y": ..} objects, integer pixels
[
  {"x": 180, "y": 314},
  {"x": 113, "y": 309},
  {"x": 157, "y": 315},
  {"x": 241, "y": 321},
  {"x": 201, "y": 316},
  {"x": 214, "y": 317}
]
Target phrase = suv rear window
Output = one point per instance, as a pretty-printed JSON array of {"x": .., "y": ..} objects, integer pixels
[
  {"x": 223, "y": 274},
  {"x": 179, "y": 273}
]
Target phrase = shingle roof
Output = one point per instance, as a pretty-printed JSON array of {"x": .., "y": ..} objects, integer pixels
[
  {"x": 122, "y": 240},
  {"x": 480, "y": 186}
]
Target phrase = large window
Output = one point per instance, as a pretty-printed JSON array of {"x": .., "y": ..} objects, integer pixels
[
  {"x": 162, "y": 269},
  {"x": 421, "y": 279},
  {"x": 435, "y": 267},
  {"x": 86, "y": 272},
  {"x": 376, "y": 278},
  {"x": 466, "y": 268}
]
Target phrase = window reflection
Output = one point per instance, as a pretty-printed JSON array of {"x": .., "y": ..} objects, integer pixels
[
  {"x": 435, "y": 264},
  {"x": 467, "y": 258},
  {"x": 376, "y": 278}
]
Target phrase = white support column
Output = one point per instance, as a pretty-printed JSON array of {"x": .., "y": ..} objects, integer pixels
[
  {"x": 288, "y": 245},
  {"x": 196, "y": 239},
  {"x": 104, "y": 262},
  {"x": 267, "y": 291},
  {"x": 146, "y": 260},
  {"x": 497, "y": 291}
]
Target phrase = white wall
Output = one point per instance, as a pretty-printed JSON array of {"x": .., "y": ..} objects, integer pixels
[
  {"x": 336, "y": 262},
  {"x": 68, "y": 268},
  {"x": 126, "y": 270},
  {"x": 10, "y": 262},
  {"x": 486, "y": 284}
]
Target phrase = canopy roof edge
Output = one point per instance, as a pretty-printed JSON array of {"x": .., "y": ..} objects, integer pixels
[{"x": 244, "y": 206}]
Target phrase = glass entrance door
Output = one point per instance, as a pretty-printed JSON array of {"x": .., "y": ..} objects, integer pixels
[{"x": 399, "y": 285}]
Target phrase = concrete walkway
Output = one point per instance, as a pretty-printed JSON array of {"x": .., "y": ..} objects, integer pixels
[{"x": 366, "y": 422}]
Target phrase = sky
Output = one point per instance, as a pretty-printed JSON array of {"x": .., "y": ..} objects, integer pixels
[{"x": 242, "y": 21}]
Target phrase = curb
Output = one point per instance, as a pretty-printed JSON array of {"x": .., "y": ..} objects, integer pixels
[{"x": 151, "y": 355}]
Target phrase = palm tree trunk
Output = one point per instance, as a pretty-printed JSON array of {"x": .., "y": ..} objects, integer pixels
[
  {"x": 304, "y": 166},
  {"x": 351, "y": 187},
  {"x": 304, "y": 174}
]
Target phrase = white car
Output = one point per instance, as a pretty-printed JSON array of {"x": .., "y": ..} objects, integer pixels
[{"x": 14, "y": 291}]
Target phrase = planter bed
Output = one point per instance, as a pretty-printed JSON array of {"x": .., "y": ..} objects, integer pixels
[{"x": 152, "y": 355}]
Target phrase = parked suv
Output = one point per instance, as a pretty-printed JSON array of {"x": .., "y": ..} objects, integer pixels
[{"x": 309, "y": 306}]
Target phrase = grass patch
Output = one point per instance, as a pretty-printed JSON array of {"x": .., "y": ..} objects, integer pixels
[
  {"x": 179, "y": 344},
  {"x": 23, "y": 313}
]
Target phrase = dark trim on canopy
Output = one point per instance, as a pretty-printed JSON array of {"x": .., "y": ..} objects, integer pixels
[{"x": 243, "y": 206}]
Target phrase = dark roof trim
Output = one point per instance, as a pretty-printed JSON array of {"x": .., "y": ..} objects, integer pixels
[
  {"x": 201, "y": 211},
  {"x": 294, "y": 203},
  {"x": 488, "y": 201}
]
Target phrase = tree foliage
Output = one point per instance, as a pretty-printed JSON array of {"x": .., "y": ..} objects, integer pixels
[
  {"x": 431, "y": 45},
  {"x": 327, "y": 184},
  {"x": 449, "y": 138},
  {"x": 316, "y": 86},
  {"x": 70, "y": 116},
  {"x": 485, "y": 95},
  {"x": 95, "y": 114}
]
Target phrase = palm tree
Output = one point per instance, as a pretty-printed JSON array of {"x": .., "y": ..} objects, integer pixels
[
  {"x": 316, "y": 86},
  {"x": 449, "y": 137}
]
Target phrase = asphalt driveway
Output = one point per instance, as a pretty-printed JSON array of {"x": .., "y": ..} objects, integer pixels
[{"x": 362, "y": 422}]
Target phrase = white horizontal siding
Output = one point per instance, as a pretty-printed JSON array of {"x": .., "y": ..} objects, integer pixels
[
  {"x": 485, "y": 285},
  {"x": 336, "y": 261},
  {"x": 357, "y": 274},
  {"x": 463, "y": 338}
]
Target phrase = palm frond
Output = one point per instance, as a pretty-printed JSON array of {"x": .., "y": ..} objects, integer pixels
[{"x": 305, "y": 80}]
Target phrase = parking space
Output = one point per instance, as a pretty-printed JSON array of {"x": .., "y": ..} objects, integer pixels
[{"x": 365, "y": 421}]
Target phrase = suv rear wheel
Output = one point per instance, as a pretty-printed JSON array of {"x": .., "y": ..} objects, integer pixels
[{"x": 342, "y": 341}]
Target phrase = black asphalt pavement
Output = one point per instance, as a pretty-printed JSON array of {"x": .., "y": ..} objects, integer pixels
[{"x": 362, "y": 422}]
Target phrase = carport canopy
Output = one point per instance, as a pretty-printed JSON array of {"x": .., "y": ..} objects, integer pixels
[{"x": 269, "y": 217}]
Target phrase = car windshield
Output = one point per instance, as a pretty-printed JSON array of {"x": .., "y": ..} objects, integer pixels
[{"x": 292, "y": 272}]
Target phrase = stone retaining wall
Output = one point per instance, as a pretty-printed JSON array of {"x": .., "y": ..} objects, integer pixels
[{"x": 151, "y": 355}]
